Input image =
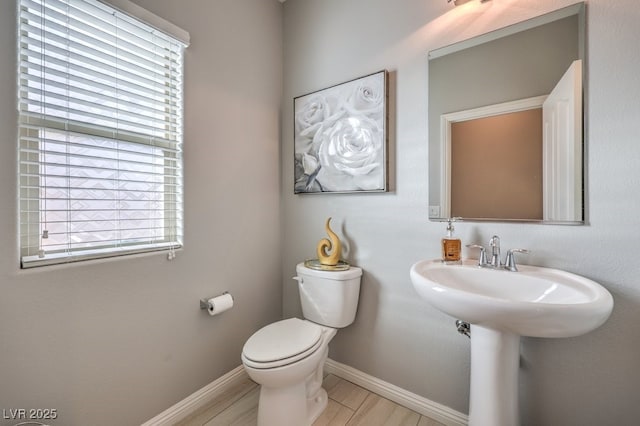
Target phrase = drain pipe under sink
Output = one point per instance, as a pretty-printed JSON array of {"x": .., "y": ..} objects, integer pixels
[{"x": 463, "y": 328}]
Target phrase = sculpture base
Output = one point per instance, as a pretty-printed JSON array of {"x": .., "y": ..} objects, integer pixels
[{"x": 315, "y": 264}]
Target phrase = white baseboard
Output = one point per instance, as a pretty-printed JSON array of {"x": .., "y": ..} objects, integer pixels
[
  {"x": 198, "y": 399},
  {"x": 417, "y": 403}
]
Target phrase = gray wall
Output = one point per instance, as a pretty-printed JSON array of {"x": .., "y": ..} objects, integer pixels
[
  {"x": 587, "y": 380},
  {"x": 116, "y": 342}
]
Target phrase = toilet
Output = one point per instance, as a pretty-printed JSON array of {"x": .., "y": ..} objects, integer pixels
[{"x": 287, "y": 357}]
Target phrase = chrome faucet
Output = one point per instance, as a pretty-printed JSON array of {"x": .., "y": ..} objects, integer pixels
[
  {"x": 510, "y": 261},
  {"x": 495, "y": 262},
  {"x": 494, "y": 242}
]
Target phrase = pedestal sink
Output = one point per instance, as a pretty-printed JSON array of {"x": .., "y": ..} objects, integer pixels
[{"x": 501, "y": 306}]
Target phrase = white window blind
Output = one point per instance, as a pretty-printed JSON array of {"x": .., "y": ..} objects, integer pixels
[{"x": 100, "y": 133}]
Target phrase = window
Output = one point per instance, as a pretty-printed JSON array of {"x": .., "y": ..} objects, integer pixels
[{"x": 100, "y": 132}]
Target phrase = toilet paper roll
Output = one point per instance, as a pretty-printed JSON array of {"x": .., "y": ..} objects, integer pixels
[{"x": 219, "y": 304}]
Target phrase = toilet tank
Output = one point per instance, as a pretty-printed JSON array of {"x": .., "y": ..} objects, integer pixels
[{"x": 329, "y": 298}]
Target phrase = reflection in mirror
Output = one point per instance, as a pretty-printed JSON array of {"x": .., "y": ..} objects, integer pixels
[{"x": 506, "y": 123}]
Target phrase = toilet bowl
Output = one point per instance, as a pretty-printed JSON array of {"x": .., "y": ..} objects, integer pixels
[
  {"x": 287, "y": 357},
  {"x": 291, "y": 380}
]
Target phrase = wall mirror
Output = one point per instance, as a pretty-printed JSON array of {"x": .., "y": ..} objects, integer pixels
[{"x": 506, "y": 123}]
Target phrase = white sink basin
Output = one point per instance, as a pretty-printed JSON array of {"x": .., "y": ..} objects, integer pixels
[
  {"x": 501, "y": 306},
  {"x": 534, "y": 301}
]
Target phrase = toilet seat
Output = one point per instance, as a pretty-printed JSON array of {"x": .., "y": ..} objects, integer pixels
[{"x": 282, "y": 343}]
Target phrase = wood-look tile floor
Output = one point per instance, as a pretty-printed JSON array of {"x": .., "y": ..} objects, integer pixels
[{"x": 349, "y": 405}]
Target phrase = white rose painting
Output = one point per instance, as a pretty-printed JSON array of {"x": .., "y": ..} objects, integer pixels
[{"x": 340, "y": 137}]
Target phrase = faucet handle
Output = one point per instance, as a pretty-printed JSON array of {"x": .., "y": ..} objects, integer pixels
[
  {"x": 482, "y": 259},
  {"x": 510, "y": 262}
]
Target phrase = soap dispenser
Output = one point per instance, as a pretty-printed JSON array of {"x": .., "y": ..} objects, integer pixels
[{"x": 451, "y": 246}]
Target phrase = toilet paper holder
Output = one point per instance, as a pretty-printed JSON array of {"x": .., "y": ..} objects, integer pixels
[{"x": 204, "y": 303}]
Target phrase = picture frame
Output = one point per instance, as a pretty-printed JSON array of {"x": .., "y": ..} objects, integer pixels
[{"x": 340, "y": 137}]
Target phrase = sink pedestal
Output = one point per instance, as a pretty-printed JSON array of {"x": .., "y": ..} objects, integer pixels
[{"x": 495, "y": 357}]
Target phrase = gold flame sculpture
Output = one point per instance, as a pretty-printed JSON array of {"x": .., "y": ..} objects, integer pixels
[{"x": 329, "y": 251}]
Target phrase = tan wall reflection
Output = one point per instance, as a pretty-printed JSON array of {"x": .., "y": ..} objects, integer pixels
[{"x": 496, "y": 166}]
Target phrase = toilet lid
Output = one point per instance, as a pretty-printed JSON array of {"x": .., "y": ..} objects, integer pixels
[{"x": 281, "y": 340}]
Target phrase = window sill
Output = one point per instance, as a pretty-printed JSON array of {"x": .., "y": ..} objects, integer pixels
[{"x": 62, "y": 258}]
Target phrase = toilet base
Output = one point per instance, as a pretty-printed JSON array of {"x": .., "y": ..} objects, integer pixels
[
  {"x": 316, "y": 405},
  {"x": 290, "y": 406},
  {"x": 294, "y": 405},
  {"x": 283, "y": 406}
]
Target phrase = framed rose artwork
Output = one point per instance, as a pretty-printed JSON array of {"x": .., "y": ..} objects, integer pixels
[{"x": 340, "y": 137}]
